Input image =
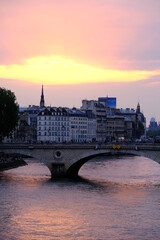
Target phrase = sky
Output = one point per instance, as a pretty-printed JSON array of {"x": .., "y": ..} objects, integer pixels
[{"x": 82, "y": 49}]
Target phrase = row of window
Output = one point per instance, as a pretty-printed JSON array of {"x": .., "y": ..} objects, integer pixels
[
  {"x": 53, "y": 134},
  {"x": 75, "y": 122},
  {"x": 60, "y": 133},
  {"x": 54, "y": 123},
  {"x": 61, "y": 118},
  {"x": 58, "y": 139},
  {"x": 56, "y": 113},
  {"x": 54, "y": 129},
  {"x": 54, "y": 118},
  {"x": 78, "y": 127},
  {"x": 82, "y": 119},
  {"x": 62, "y": 136}
]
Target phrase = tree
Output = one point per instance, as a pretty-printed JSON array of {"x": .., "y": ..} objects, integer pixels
[
  {"x": 140, "y": 129},
  {"x": 8, "y": 112},
  {"x": 153, "y": 132}
]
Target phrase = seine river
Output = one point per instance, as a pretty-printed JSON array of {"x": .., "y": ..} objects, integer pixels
[{"x": 114, "y": 199}]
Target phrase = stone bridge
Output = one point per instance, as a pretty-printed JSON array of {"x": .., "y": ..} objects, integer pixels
[{"x": 65, "y": 160}]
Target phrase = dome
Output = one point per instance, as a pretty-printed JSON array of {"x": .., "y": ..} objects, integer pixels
[{"x": 152, "y": 119}]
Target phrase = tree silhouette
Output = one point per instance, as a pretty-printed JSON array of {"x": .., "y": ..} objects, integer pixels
[
  {"x": 8, "y": 112},
  {"x": 140, "y": 129}
]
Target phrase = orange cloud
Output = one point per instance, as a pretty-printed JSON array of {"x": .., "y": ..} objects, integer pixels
[{"x": 61, "y": 70}]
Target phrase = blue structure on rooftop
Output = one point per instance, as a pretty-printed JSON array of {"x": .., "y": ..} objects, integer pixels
[{"x": 109, "y": 102}]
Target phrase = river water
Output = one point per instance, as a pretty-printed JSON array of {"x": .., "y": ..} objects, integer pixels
[{"x": 114, "y": 199}]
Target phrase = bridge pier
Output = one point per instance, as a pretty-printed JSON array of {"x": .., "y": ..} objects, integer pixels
[{"x": 57, "y": 170}]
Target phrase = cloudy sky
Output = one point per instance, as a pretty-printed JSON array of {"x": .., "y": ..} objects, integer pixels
[{"x": 82, "y": 50}]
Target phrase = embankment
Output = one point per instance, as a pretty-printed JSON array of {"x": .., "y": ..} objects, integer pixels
[{"x": 10, "y": 161}]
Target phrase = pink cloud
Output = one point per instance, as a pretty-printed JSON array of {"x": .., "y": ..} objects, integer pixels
[{"x": 104, "y": 33}]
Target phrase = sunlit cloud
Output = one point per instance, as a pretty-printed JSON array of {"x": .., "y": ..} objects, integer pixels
[{"x": 62, "y": 70}]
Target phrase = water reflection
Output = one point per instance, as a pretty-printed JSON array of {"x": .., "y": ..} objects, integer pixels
[{"x": 113, "y": 199}]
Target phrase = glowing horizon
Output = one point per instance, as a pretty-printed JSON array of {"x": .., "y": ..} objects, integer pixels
[{"x": 59, "y": 70}]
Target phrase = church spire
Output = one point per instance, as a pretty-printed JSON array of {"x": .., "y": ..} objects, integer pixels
[
  {"x": 138, "y": 110},
  {"x": 42, "y": 99}
]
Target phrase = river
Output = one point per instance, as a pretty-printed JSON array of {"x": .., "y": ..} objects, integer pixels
[{"x": 117, "y": 199}]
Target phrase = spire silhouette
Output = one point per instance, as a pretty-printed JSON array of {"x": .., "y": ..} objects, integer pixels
[
  {"x": 138, "y": 110},
  {"x": 42, "y": 99}
]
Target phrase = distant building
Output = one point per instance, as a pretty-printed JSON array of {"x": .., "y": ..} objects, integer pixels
[
  {"x": 65, "y": 125},
  {"x": 113, "y": 123},
  {"x": 115, "y": 128},
  {"x": 29, "y": 114},
  {"x": 141, "y": 116},
  {"x": 89, "y": 105},
  {"x": 101, "y": 117},
  {"x": 97, "y": 120},
  {"x": 153, "y": 125}
]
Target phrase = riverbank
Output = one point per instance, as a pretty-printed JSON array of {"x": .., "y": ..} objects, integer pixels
[{"x": 10, "y": 161}]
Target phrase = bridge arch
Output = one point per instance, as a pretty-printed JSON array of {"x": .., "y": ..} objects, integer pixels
[
  {"x": 75, "y": 167},
  {"x": 77, "y": 163}
]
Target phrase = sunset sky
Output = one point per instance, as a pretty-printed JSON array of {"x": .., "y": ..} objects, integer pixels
[{"x": 82, "y": 50}]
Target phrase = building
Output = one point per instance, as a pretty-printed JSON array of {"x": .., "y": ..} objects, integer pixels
[
  {"x": 89, "y": 105},
  {"x": 153, "y": 125},
  {"x": 82, "y": 125},
  {"x": 29, "y": 115},
  {"x": 101, "y": 129},
  {"x": 53, "y": 125},
  {"x": 141, "y": 116},
  {"x": 113, "y": 123},
  {"x": 65, "y": 125},
  {"x": 97, "y": 120}
]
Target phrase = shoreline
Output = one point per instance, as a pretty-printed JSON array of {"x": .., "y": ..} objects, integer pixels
[{"x": 8, "y": 162}]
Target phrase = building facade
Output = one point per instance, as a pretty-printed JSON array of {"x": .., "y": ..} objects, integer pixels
[{"x": 65, "y": 125}]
